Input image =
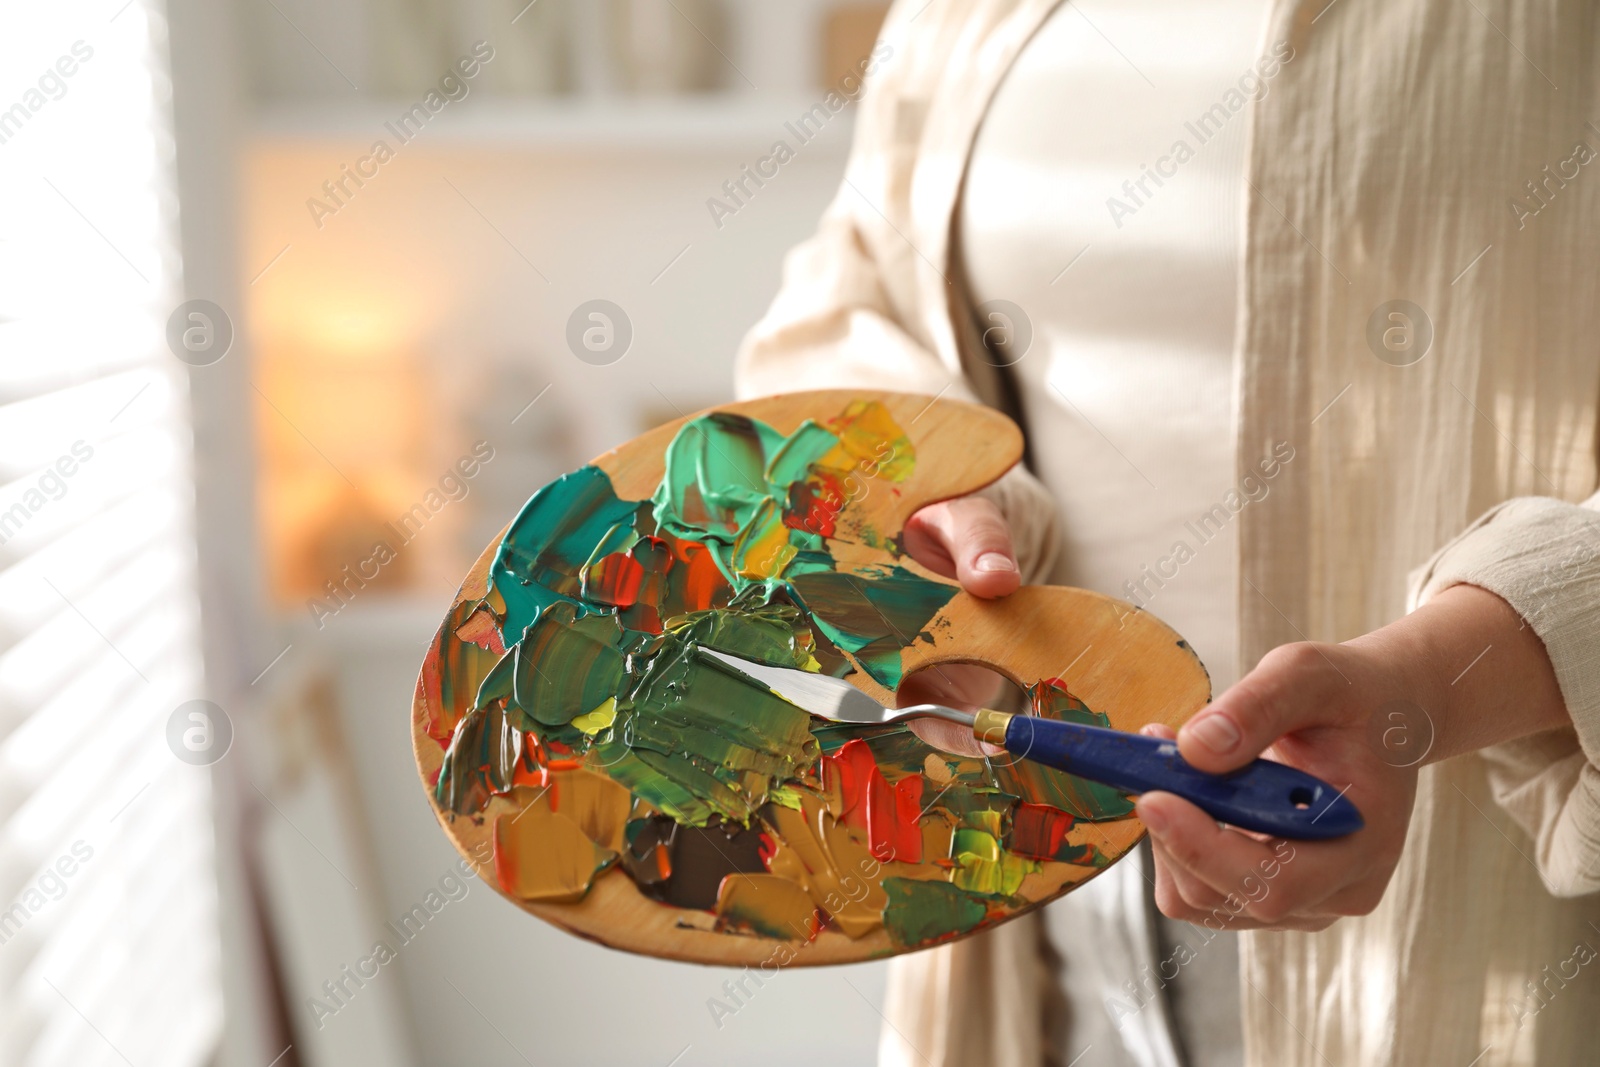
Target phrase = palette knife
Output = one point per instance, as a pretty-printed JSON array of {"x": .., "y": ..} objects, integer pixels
[{"x": 1263, "y": 796}]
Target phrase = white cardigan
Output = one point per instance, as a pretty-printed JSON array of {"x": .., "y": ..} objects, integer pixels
[{"x": 1423, "y": 150}]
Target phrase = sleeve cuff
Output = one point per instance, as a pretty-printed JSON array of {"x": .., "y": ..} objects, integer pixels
[{"x": 1542, "y": 556}]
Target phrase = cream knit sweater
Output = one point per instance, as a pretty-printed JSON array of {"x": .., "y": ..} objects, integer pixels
[{"x": 1418, "y": 150}]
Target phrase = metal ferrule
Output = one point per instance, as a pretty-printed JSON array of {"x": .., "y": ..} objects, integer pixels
[{"x": 991, "y": 726}]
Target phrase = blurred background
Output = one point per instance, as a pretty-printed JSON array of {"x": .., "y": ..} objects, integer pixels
[{"x": 269, "y": 270}]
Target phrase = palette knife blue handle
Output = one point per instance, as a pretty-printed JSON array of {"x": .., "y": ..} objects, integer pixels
[{"x": 1264, "y": 796}]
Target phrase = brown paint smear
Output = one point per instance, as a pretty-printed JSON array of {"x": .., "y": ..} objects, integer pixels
[
  {"x": 555, "y": 847},
  {"x": 770, "y": 905}
]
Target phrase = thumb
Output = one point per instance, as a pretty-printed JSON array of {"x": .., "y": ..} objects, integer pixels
[
  {"x": 1289, "y": 690},
  {"x": 968, "y": 539}
]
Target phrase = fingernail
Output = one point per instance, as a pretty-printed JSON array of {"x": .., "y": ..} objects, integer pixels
[
  {"x": 994, "y": 562},
  {"x": 1216, "y": 732},
  {"x": 1154, "y": 819}
]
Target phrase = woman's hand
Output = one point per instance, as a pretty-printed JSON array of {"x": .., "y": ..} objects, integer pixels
[
  {"x": 966, "y": 539},
  {"x": 1458, "y": 674}
]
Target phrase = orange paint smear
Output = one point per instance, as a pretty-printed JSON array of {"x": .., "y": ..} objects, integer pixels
[
  {"x": 563, "y": 838},
  {"x": 597, "y": 804},
  {"x": 814, "y": 504},
  {"x": 438, "y": 721},
  {"x": 889, "y": 814},
  {"x": 533, "y": 769},
  {"x": 540, "y": 855},
  {"x": 614, "y": 579},
  {"x": 703, "y": 580},
  {"x": 448, "y": 681},
  {"x": 482, "y": 629},
  {"x": 633, "y": 578}
]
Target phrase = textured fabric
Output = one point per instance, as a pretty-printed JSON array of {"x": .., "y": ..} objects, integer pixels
[
  {"x": 1128, "y": 314},
  {"x": 1417, "y": 150},
  {"x": 1106, "y": 935},
  {"x": 1536, "y": 554},
  {"x": 1116, "y": 231}
]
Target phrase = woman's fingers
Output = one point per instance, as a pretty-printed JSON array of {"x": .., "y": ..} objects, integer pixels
[
  {"x": 951, "y": 737},
  {"x": 966, "y": 539},
  {"x": 1271, "y": 883},
  {"x": 1179, "y": 894},
  {"x": 1293, "y": 687}
]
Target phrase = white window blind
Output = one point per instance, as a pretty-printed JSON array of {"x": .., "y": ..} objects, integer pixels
[{"x": 108, "y": 931}]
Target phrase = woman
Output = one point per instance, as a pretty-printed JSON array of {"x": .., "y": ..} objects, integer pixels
[{"x": 1349, "y": 244}]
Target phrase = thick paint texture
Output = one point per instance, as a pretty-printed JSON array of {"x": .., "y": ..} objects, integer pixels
[
  {"x": 569, "y": 833},
  {"x": 922, "y": 913},
  {"x": 766, "y": 904},
  {"x": 578, "y": 688}
]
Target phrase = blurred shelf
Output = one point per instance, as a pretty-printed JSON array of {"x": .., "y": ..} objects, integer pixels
[{"x": 710, "y": 123}]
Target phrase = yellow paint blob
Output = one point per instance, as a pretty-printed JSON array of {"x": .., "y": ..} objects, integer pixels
[
  {"x": 592, "y": 722},
  {"x": 544, "y": 856},
  {"x": 839, "y": 873},
  {"x": 768, "y": 904}
]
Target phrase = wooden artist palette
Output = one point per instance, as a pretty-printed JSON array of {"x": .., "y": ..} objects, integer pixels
[{"x": 605, "y": 776}]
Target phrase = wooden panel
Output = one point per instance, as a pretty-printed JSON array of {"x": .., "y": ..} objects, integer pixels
[{"x": 1120, "y": 661}]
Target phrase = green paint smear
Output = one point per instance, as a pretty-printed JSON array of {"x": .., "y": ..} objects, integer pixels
[
  {"x": 572, "y": 520},
  {"x": 985, "y": 867},
  {"x": 688, "y": 793},
  {"x": 873, "y": 618},
  {"x": 499, "y": 682},
  {"x": 727, "y": 477},
  {"x": 566, "y": 666},
  {"x": 921, "y": 912},
  {"x": 1087, "y": 855},
  {"x": 722, "y": 737},
  {"x": 756, "y": 628}
]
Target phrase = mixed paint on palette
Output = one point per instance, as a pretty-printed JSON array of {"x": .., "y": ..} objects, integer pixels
[{"x": 577, "y": 686}]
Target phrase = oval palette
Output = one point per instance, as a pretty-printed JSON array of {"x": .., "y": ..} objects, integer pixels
[{"x": 603, "y": 775}]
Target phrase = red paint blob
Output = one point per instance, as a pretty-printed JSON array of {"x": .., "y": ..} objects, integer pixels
[
  {"x": 1037, "y": 830},
  {"x": 614, "y": 579},
  {"x": 814, "y": 504},
  {"x": 889, "y": 814}
]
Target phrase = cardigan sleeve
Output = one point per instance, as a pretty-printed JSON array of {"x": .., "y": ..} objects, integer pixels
[
  {"x": 834, "y": 326},
  {"x": 1542, "y": 556}
]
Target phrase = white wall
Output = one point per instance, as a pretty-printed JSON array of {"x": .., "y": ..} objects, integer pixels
[
  {"x": 469, "y": 251},
  {"x": 447, "y": 245},
  {"x": 600, "y": 210}
]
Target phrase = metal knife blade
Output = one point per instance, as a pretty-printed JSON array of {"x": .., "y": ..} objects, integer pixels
[{"x": 832, "y": 698}]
